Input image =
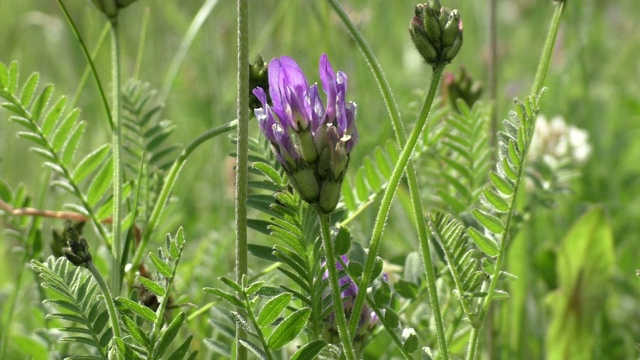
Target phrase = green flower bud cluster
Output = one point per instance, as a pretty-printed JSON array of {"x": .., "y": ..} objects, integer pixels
[
  {"x": 258, "y": 77},
  {"x": 436, "y": 32},
  {"x": 111, "y": 7},
  {"x": 78, "y": 250}
]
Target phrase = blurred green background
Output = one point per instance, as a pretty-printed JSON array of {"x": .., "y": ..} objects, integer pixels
[{"x": 594, "y": 83}]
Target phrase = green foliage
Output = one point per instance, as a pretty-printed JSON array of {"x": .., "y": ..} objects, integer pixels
[
  {"x": 155, "y": 344},
  {"x": 56, "y": 133},
  {"x": 464, "y": 156},
  {"x": 585, "y": 264},
  {"x": 499, "y": 198},
  {"x": 76, "y": 296}
]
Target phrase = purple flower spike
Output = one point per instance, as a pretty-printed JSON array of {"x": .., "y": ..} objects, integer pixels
[{"x": 307, "y": 136}]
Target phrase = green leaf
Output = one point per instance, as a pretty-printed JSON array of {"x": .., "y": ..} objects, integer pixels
[
  {"x": 495, "y": 200},
  {"x": 487, "y": 245},
  {"x": 29, "y": 89},
  {"x": 382, "y": 295},
  {"x": 255, "y": 287},
  {"x": 269, "y": 172},
  {"x": 136, "y": 331},
  {"x": 489, "y": 221},
  {"x": 163, "y": 268},
  {"x": 362, "y": 189},
  {"x": 72, "y": 143},
  {"x": 90, "y": 162},
  {"x": 100, "y": 184},
  {"x": 348, "y": 196},
  {"x": 230, "y": 298},
  {"x": 152, "y": 286},
  {"x": 585, "y": 267},
  {"x": 272, "y": 309},
  {"x": 232, "y": 284},
  {"x": 34, "y": 349},
  {"x": 259, "y": 353},
  {"x": 13, "y": 77},
  {"x": 4, "y": 76},
  {"x": 309, "y": 351},
  {"x": 41, "y": 102},
  {"x": 54, "y": 113},
  {"x": 139, "y": 309},
  {"x": 62, "y": 134},
  {"x": 288, "y": 329},
  {"x": 168, "y": 335},
  {"x": 181, "y": 352},
  {"x": 503, "y": 185},
  {"x": 342, "y": 241}
]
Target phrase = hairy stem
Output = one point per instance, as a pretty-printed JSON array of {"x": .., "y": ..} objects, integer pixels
[
  {"x": 108, "y": 299},
  {"x": 167, "y": 186},
  {"x": 252, "y": 318},
  {"x": 242, "y": 158},
  {"x": 543, "y": 67},
  {"x": 336, "y": 298},
  {"x": 116, "y": 135},
  {"x": 396, "y": 123},
  {"x": 85, "y": 51}
]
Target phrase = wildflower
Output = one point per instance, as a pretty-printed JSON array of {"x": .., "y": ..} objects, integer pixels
[
  {"x": 111, "y": 7},
  {"x": 312, "y": 142},
  {"x": 436, "y": 32},
  {"x": 368, "y": 319},
  {"x": 560, "y": 141}
]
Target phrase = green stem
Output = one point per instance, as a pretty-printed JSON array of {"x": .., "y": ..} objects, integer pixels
[
  {"x": 181, "y": 54},
  {"x": 543, "y": 67},
  {"x": 167, "y": 186},
  {"x": 242, "y": 159},
  {"x": 252, "y": 318},
  {"x": 141, "y": 42},
  {"x": 336, "y": 298},
  {"x": 116, "y": 276},
  {"x": 108, "y": 299},
  {"x": 88, "y": 68},
  {"x": 85, "y": 51},
  {"x": 401, "y": 138},
  {"x": 547, "y": 51}
]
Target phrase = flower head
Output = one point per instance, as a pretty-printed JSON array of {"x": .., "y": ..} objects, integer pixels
[
  {"x": 311, "y": 141},
  {"x": 436, "y": 32}
]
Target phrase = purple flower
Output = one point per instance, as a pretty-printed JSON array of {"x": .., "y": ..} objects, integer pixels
[
  {"x": 311, "y": 141},
  {"x": 368, "y": 320}
]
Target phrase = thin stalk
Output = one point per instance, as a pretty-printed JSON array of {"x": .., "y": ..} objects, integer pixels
[
  {"x": 87, "y": 70},
  {"x": 543, "y": 67},
  {"x": 167, "y": 186},
  {"x": 141, "y": 42},
  {"x": 85, "y": 51},
  {"x": 252, "y": 318},
  {"x": 242, "y": 159},
  {"x": 547, "y": 51},
  {"x": 401, "y": 138},
  {"x": 493, "y": 73},
  {"x": 116, "y": 148},
  {"x": 108, "y": 299},
  {"x": 336, "y": 298},
  {"x": 181, "y": 54}
]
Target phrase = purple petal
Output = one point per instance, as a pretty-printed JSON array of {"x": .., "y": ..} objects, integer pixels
[
  {"x": 328, "y": 78},
  {"x": 316, "y": 108}
]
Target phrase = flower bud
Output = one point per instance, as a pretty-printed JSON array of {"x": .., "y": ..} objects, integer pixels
[
  {"x": 258, "y": 77},
  {"x": 436, "y": 32},
  {"x": 78, "y": 250},
  {"x": 306, "y": 183},
  {"x": 111, "y": 7},
  {"x": 330, "y": 195}
]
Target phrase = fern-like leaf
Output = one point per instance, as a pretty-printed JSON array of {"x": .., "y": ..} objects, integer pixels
[
  {"x": 56, "y": 133},
  {"x": 75, "y": 296},
  {"x": 462, "y": 262}
]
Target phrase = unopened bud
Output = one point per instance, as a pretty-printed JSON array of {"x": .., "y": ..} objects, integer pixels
[
  {"x": 306, "y": 183},
  {"x": 78, "y": 250},
  {"x": 436, "y": 32},
  {"x": 330, "y": 195}
]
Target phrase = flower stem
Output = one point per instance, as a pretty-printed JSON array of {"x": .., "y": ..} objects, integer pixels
[
  {"x": 341, "y": 320},
  {"x": 242, "y": 151},
  {"x": 401, "y": 138},
  {"x": 108, "y": 299},
  {"x": 116, "y": 276},
  {"x": 87, "y": 55},
  {"x": 167, "y": 186},
  {"x": 254, "y": 322},
  {"x": 543, "y": 67}
]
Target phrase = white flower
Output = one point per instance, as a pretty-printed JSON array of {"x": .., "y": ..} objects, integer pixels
[{"x": 557, "y": 139}]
